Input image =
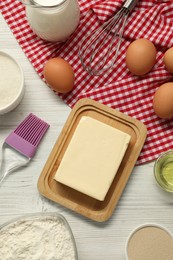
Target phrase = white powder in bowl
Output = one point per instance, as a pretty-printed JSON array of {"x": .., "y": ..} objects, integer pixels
[
  {"x": 11, "y": 81},
  {"x": 150, "y": 243},
  {"x": 37, "y": 238}
]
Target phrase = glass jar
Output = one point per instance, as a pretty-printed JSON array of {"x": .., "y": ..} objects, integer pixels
[
  {"x": 52, "y": 20},
  {"x": 163, "y": 171}
]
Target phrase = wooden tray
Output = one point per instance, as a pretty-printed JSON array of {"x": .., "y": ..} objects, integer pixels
[{"x": 96, "y": 210}]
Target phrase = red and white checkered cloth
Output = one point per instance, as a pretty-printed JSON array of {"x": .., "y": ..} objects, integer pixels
[{"x": 132, "y": 95}]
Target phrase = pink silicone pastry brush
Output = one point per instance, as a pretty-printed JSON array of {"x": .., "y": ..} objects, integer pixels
[{"x": 20, "y": 146}]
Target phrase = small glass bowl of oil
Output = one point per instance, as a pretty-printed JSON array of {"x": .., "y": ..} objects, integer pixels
[{"x": 163, "y": 171}]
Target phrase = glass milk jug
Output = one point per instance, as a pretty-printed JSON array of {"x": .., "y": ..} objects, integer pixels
[{"x": 52, "y": 20}]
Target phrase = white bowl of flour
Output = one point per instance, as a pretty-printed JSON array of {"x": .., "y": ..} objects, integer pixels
[
  {"x": 45, "y": 236},
  {"x": 11, "y": 83}
]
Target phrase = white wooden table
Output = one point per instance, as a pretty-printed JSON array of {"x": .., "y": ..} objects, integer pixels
[{"x": 141, "y": 202}]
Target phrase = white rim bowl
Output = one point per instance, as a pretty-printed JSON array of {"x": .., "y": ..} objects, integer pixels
[
  {"x": 15, "y": 102},
  {"x": 140, "y": 227}
]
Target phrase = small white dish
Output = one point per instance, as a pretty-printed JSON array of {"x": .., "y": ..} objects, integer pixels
[
  {"x": 149, "y": 241},
  {"x": 11, "y": 83}
]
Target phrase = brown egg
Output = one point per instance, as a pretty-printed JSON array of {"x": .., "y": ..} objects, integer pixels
[
  {"x": 59, "y": 75},
  {"x": 140, "y": 56},
  {"x": 168, "y": 60},
  {"x": 163, "y": 101}
]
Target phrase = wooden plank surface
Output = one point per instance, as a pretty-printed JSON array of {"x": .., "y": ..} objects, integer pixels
[{"x": 141, "y": 202}]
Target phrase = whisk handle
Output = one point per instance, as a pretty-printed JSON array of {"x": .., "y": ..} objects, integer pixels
[{"x": 130, "y": 4}]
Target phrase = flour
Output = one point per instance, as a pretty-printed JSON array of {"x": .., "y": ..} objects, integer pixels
[
  {"x": 10, "y": 80},
  {"x": 37, "y": 238}
]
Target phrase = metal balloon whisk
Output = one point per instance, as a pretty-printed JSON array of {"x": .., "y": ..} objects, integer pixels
[{"x": 99, "y": 49}]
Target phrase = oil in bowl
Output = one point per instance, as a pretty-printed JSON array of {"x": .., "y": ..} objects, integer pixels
[{"x": 163, "y": 171}]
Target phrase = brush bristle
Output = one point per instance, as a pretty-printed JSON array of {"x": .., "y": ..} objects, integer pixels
[
  {"x": 32, "y": 129},
  {"x": 27, "y": 136}
]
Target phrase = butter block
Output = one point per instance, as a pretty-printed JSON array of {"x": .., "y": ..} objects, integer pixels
[{"x": 92, "y": 158}]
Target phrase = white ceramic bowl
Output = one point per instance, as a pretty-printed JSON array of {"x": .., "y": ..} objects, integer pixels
[
  {"x": 147, "y": 225},
  {"x": 11, "y": 83}
]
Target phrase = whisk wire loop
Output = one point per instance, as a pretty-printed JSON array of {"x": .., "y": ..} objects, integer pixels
[{"x": 99, "y": 49}]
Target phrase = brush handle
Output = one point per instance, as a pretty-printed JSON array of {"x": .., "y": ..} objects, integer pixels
[
  {"x": 20, "y": 144},
  {"x": 11, "y": 161}
]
